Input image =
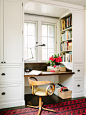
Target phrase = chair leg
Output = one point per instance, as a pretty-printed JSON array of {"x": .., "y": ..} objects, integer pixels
[
  {"x": 48, "y": 109},
  {"x": 40, "y": 105},
  {"x": 33, "y": 106}
]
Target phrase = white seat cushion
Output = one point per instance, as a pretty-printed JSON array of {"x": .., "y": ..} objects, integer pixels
[{"x": 40, "y": 91}]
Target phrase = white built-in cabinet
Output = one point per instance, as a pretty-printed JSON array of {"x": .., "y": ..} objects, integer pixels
[
  {"x": 11, "y": 54},
  {"x": 78, "y": 53},
  {"x": 76, "y": 81},
  {"x": 11, "y": 36}
]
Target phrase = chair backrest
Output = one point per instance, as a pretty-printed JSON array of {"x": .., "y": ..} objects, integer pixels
[{"x": 35, "y": 83}]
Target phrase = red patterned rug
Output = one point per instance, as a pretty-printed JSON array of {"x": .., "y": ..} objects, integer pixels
[{"x": 74, "y": 107}]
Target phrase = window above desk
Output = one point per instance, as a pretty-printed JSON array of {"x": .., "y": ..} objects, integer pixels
[{"x": 39, "y": 39}]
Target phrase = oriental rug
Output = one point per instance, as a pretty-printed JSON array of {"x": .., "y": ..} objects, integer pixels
[{"x": 74, "y": 107}]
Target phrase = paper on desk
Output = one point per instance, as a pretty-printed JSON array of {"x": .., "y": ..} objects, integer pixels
[{"x": 34, "y": 72}]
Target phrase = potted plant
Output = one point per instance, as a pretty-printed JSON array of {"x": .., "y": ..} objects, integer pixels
[{"x": 54, "y": 60}]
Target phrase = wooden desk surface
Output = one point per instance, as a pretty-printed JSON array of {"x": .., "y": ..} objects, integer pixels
[{"x": 49, "y": 73}]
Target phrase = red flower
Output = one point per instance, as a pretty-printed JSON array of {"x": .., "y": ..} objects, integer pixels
[
  {"x": 57, "y": 60},
  {"x": 52, "y": 71},
  {"x": 54, "y": 66},
  {"x": 51, "y": 58},
  {"x": 60, "y": 59}
]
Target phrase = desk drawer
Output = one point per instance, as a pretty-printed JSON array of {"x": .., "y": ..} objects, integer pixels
[
  {"x": 9, "y": 93},
  {"x": 78, "y": 68},
  {"x": 78, "y": 85},
  {"x": 11, "y": 73}
]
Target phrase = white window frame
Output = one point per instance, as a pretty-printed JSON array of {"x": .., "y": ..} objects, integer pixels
[
  {"x": 40, "y": 20},
  {"x": 55, "y": 42},
  {"x": 29, "y": 21}
]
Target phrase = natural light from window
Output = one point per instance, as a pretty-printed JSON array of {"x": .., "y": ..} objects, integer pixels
[
  {"x": 31, "y": 45},
  {"x": 48, "y": 38},
  {"x": 29, "y": 41}
]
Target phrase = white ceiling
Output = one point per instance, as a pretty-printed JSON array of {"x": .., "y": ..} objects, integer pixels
[
  {"x": 49, "y": 10},
  {"x": 76, "y": 2},
  {"x": 44, "y": 9}
]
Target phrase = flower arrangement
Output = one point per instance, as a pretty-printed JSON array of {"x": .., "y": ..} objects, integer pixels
[{"x": 54, "y": 60}]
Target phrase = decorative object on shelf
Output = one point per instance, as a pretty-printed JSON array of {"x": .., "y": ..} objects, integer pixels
[
  {"x": 54, "y": 60},
  {"x": 52, "y": 69},
  {"x": 62, "y": 68}
]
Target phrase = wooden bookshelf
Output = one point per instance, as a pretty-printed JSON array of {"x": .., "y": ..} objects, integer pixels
[
  {"x": 66, "y": 38},
  {"x": 65, "y": 51},
  {"x": 70, "y": 28}
]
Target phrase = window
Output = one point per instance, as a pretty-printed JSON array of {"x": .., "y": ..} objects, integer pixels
[
  {"x": 46, "y": 35},
  {"x": 29, "y": 41},
  {"x": 48, "y": 38}
]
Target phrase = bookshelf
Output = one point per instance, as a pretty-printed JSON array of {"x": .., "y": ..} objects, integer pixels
[
  {"x": 76, "y": 50},
  {"x": 66, "y": 38}
]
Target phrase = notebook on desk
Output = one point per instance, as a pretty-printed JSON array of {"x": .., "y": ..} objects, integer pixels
[{"x": 34, "y": 72}]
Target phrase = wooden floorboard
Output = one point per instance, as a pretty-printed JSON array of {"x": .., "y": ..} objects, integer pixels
[{"x": 33, "y": 100}]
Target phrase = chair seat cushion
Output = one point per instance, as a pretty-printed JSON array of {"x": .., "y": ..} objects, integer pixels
[{"x": 40, "y": 91}]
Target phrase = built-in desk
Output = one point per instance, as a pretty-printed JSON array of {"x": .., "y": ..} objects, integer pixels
[
  {"x": 49, "y": 73},
  {"x": 63, "y": 78}
]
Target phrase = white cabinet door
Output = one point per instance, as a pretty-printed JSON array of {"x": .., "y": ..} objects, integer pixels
[
  {"x": 1, "y": 31},
  {"x": 13, "y": 31},
  {"x": 10, "y": 74},
  {"x": 10, "y": 93},
  {"x": 78, "y": 85}
]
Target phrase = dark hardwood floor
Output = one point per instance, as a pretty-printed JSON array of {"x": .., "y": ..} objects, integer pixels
[{"x": 33, "y": 100}]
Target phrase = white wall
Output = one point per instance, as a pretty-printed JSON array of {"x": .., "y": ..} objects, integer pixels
[{"x": 85, "y": 51}]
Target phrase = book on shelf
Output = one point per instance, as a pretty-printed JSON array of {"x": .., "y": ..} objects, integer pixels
[
  {"x": 69, "y": 45},
  {"x": 70, "y": 54},
  {"x": 63, "y": 24},
  {"x": 67, "y": 57},
  {"x": 66, "y": 46},
  {"x": 71, "y": 20},
  {"x": 66, "y": 22},
  {"x": 66, "y": 35}
]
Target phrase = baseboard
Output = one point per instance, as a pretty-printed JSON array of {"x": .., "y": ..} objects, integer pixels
[
  {"x": 78, "y": 95},
  {"x": 12, "y": 104},
  {"x": 85, "y": 91}
]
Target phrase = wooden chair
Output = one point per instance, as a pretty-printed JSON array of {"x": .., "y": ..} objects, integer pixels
[{"x": 39, "y": 91}]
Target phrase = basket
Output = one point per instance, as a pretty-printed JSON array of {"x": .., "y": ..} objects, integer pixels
[
  {"x": 65, "y": 95},
  {"x": 49, "y": 69},
  {"x": 63, "y": 69}
]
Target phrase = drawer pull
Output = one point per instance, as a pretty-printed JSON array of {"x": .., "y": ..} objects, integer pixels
[
  {"x": 78, "y": 85},
  {"x": 78, "y": 70},
  {"x": 4, "y": 62},
  {"x": 3, "y": 93},
  {"x": 1, "y": 62},
  {"x": 3, "y": 74}
]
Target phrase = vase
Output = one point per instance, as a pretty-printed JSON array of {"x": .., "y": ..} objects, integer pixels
[{"x": 56, "y": 63}]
